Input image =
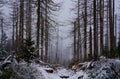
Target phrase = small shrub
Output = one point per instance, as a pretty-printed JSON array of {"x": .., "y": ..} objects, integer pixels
[
  {"x": 73, "y": 62},
  {"x": 28, "y": 50}
]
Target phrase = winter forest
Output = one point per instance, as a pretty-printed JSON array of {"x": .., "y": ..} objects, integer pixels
[{"x": 59, "y": 39}]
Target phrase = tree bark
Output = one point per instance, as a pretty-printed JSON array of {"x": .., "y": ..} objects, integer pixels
[{"x": 95, "y": 31}]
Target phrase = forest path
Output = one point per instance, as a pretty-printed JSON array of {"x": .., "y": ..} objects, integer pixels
[{"x": 58, "y": 73}]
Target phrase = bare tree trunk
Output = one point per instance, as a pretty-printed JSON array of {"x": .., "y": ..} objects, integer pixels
[
  {"x": 13, "y": 34},
  {"x": 42, "y": 36},
  {"x": 57, "y": 46},
  {"x": 38, "y": 27},
  {"x": 111, "y": 23},
  {"x": 21, "y": 26},
  {"x": 2, "y": 33},
  {"x": 90, "y": 43},
  {"x": 46, "y": 31},
  {"x": 79, "y": 37},
  {"x": 28, "y": 19},
  {"x": 107, "y": 30},
  {"x": 115, "y": 30},
  {"x": 101, "y": 25},
  {"x": 14, "y": 20},
  {"x": 17, "y": 37},
  {"x": 95, "y": 31},
  {"x": 75, "y": 52},
  {"x": 85, "y": 30},
  {"x": 90, "y": 37}
]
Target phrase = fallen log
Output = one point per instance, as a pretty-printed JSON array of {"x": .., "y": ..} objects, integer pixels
[
  {"x": 64, "y": 77},
  {"x": 49, "y": 70}
]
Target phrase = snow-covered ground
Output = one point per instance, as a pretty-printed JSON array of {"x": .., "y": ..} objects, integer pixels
[
  {"x": 57, "y": 74},
  {"x": 102, "y": 69}
]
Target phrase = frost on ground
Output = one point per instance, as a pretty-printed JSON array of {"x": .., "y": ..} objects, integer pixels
[{"x": 103, "y": 69}]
